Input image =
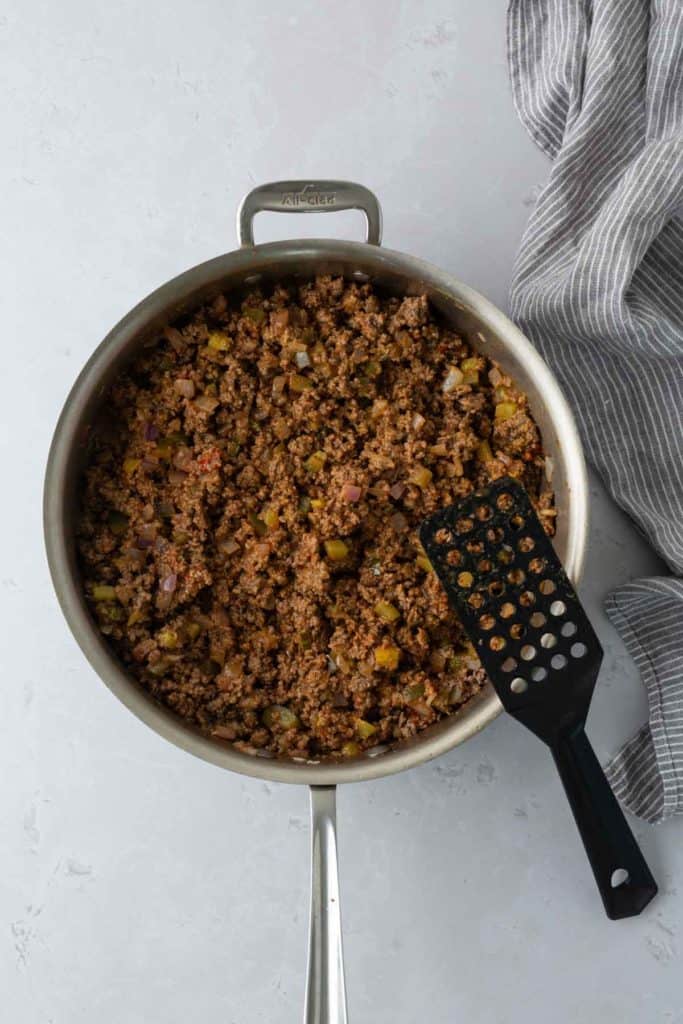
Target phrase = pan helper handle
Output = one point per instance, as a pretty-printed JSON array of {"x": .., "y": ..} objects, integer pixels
[
  {"x": 325, "y": 989},
  {"x": 309, "y": 197}
]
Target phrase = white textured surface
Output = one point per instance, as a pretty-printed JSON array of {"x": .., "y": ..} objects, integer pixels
[{"x": 137, "y": 884}]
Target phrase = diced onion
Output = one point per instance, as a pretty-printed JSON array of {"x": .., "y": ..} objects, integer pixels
[
  {"x": 207, "y": 403},
  {"x": 168, "y": 583},
  {"x": 302, "y": 359},
  {"x": 175, "y": 338},
  {"x": 224, "y": 732},
  {"x": 399, "y": 522},
  {"x": 397, "y": 490},
  {"x": 350, "y": 492},
  {"x": 452, "y": 379},
  {"x": 184, "y": 387},
  {"x": 183, "y": 459},
  {"x": 229, "y": 547}
]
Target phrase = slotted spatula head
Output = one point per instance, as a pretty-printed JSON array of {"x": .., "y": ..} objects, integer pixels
[
  {"x": 513, "y": 597},
  {"x": 507, "y": 585}
]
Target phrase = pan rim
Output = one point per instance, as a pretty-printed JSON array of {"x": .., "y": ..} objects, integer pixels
[{"x": 478, "y": 712}]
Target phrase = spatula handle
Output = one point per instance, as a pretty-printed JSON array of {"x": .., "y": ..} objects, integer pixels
[{"x": 610, "y": 845}]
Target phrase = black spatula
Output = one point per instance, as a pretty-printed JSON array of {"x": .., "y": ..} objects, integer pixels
[{"x": 513, "y": 597}]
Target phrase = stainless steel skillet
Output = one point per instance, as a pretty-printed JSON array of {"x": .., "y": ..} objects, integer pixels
[{"x": 488, "y": 328}]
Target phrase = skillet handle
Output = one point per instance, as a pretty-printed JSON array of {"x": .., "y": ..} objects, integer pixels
[
  {"x": 309, "y": 197},
  {"x": 325, "y": 989},
  {"x": 610, "y": 845}
]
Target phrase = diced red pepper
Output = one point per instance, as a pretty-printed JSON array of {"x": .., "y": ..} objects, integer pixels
[{"x": 209, "y": 460}]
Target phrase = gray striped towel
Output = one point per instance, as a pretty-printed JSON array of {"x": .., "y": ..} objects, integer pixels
[{"x": 598, "y": 287}]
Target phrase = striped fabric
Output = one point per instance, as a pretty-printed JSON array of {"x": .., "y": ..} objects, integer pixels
[{"x": 598, "y": 287}]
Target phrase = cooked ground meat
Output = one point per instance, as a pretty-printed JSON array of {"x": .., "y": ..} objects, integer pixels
[{"x": 250, "y": 505}]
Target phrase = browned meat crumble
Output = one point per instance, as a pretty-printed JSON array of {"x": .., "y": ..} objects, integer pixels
[{"x": 250, "y": 505}]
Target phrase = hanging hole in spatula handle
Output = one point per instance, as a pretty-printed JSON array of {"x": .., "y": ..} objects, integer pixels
[{"x": 624, "y": 879}]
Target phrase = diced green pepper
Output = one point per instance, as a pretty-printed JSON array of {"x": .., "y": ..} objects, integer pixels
[
  {"x": 117, "y": 521},
  {"x": 257, "y": 525},
  {"x": 505, "y": 410},
  {"x": 218, "y": 341},
  {"x": 336, "y": 550},
  {"x": 387, "y": 657},
  {"x": 168, "y": 639},
  {"x": 255, "y": 314},
  {"x": 387, "y": 611},
  {"x": 413, "y": 692},
  {"x": 315, "y": 462},
  {"x": 277, "y": 716},
  {"x": 299, "y": 384},
  {"x": 365, "y": 729}
]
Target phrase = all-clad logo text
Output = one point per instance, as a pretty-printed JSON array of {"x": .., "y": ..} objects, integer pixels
[{"x": 310, "y": 195}]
